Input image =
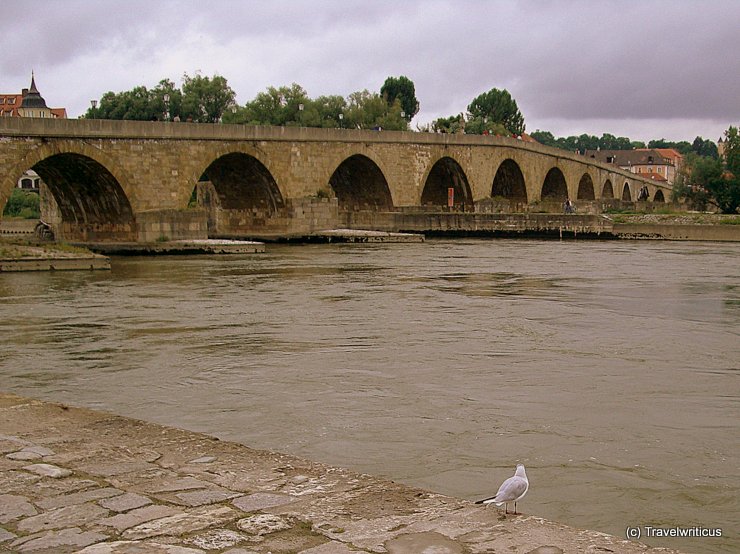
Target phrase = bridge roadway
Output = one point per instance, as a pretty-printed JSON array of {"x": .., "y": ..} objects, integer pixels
[{"x": 126, "y": 181}]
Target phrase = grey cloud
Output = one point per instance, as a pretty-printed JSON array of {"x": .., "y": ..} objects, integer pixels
[{"x": 561, "y": 60}]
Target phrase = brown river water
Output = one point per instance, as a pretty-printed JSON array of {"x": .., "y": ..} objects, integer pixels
[{"x": 610, "y": 369}]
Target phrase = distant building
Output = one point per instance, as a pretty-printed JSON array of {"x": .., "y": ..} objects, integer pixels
[
  {"x": 658, "y": 164},
  {"x": 29, "y": 103}
]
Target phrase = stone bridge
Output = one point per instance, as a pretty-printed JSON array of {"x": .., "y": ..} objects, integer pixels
[{"x": 131, "y": 181}]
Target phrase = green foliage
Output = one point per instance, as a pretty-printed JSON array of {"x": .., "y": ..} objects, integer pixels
[
  {"x": 705, "y": 148},
  {"x": 202, "y": 99},
  {"x": 23, "y": 204},
  {"x": 479, "y": 126},
  {"x": 366, "y": 110},
  {"x": 704, "y": 180},
  {"x": 545, "y": 137},
  {"x": 401, "y": 89},
  {"x": 726, "y": 187},
  {"x": 497, "y": 106},
  {"x": 732, "y": 151},
  {"x": 583, "y": 142},
  {"x": 699, "y": 146},
  {"x": 291, "y": 106},
  {"x": 452, "y": 124}
]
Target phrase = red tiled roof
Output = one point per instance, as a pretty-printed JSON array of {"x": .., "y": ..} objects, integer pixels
[
  {"x": 653, "y": 176},
  {"x": 670, "y": 153},
  {"x": 9, "y": 104}
]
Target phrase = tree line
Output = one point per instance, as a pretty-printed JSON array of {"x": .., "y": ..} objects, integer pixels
[{"x": 204, "y": 99}]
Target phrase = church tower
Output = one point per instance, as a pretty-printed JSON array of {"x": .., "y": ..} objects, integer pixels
[{"x": 33, "y": 104}]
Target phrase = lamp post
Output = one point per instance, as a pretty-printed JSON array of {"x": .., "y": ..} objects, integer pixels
[
  {"x": 166, "y": 107},
  {"x": 341, "y": 122},
  {"x": 94, "y": 107}
]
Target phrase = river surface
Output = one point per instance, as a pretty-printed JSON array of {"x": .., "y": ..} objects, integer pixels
[{"x": 610, "y": 369}]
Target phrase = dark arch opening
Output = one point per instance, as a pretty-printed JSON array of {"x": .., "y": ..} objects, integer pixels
[
  {"x": 554, "y": 187},
  {"x": 446, "y": 174},
  {"x": 242, "y": 182},
  {"x": 626, "y": 193},
  {"x": 509, "y": 182},
  {"x": 586, "y": 188},
  {"x": 91, "y": 203},
  {"x": 359, "y": 184},
  {"x": 659, "y": 197},
  {"x": 608, "y": 191}
]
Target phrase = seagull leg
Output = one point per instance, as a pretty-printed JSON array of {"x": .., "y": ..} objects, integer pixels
[{"x": 515, "y": 508}]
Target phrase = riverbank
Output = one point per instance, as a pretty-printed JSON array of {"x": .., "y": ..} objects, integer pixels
[
  {"x": 683, "y": 226},
  {"x": 77, "y": 480},
  {"x": 25, "y": 255}
]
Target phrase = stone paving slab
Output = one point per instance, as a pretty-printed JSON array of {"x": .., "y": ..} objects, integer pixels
[
  {"x": 125, "y": 502},
  {"x": 105, "y": 484}
]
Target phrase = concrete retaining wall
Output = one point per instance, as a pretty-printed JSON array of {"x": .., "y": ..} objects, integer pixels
[{"x": 678, "y": 232}]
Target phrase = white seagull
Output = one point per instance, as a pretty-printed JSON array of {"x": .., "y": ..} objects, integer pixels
[{"x": 511, "y": 490}]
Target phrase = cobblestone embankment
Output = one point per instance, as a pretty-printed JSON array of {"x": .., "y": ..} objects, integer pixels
[{"x": 76, "y": 480}]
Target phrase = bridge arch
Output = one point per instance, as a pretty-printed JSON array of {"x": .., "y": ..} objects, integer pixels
[
  {"x": 89, "y": 189},
  {"x": 607, "y": 192},
  {"x": 626, "y": 192},
  {"x": 554, "y": 187},
  {"x": 446, "y": 173},
  {"x": 242, "y": 182},
  {"x": 658, "y": 196},
  {"x": 509, "y": 182},
  {"x": 359, "y": 184},
  {"x": 586, "y": 188}
]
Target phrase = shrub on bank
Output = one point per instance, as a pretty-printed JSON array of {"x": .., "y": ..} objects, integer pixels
[{"x": 23, "y": 204}]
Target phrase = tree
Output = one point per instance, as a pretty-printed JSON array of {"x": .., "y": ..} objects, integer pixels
[
  {"x": 683, "y": 147},
  {"x": 544, "y": 137},
  {"x": 497, "y": 106},
  {"x": 366, "y": 110},
  {"x": 610, "y": 142},
  {"x": 726, "y": 190},
  {"x": 479, "y": 126},
  {"x": 401, "y": 89},
  {"x": 206, "y": 99},
  {"x": 704, "y": 148},
  {"x": 452, "y": 124},
  {"x": 134, "y": 104},
  {"x": 330, "y": 108},
  {"x": 732, "y": 151},
  {"x": 705, "y": 180},
  {"x": 166, "y": 99},
  {"x": 276, "y": 106}
]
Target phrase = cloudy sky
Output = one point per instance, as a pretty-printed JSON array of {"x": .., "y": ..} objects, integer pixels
[{"x": 638, "y": 68}]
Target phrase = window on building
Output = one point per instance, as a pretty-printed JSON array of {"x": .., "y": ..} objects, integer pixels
[
  {"x": 610, "y": 159},
  {"x": 11, "y": 100}
]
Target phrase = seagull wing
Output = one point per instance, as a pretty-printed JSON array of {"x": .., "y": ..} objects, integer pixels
[{"x": 510, "y": 490}]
